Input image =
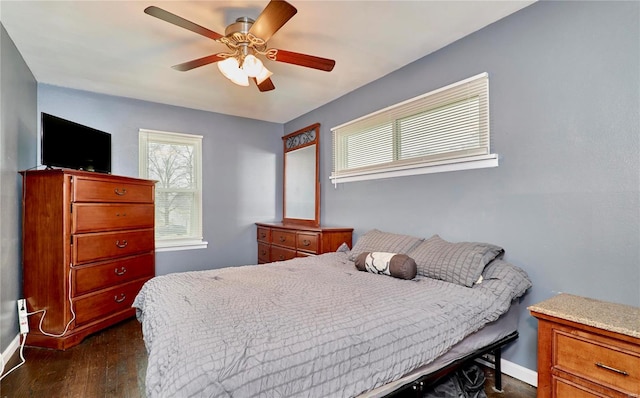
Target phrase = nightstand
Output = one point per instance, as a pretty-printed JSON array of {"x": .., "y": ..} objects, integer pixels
[{"x": 587, "y": 348}]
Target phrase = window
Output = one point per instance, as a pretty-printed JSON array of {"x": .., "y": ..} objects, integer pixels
[
  {"x": 175, "y": 162},
  {"x": 443, "y": 130}
]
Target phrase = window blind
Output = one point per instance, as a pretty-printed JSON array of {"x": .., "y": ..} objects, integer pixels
[{"x": 447, "y": 124}]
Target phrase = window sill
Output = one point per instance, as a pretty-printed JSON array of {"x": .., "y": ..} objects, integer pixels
[
  {"x": 180, "y": 244},
  {"x": 474, "y": 162}
]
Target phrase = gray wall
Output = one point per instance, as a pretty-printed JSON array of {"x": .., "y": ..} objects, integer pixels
[
  {"x": 564, "y": 202},
  {"x": 241, "y": 166},
  {"x": 564, "y": 83},
  {"x": 17, "y": 152}
]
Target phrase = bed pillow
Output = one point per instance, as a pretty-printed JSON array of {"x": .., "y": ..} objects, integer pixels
[
  {"x": 505, "y": 280},
  {"x": 392, "y": 264},
  {"x": 460, "y": 263},
  {"x": 344, "y": 248},
  {"x": 379, "y": 241}
]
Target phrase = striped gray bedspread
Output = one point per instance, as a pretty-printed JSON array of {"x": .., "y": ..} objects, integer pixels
[{"x": 308, "y": 327}]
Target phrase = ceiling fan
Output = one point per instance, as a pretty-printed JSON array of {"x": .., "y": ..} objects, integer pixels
[{"x": 246, "y": 38}]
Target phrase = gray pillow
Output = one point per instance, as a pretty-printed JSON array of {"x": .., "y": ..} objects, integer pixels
[
  {"x": 379, "y": 241},
  {"x": 460, "y": 263},
  {"x": 505, "y": 280},
  {"x": 397, "y": 265}
]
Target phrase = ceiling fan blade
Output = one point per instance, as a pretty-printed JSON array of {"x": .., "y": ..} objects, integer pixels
[
  {"x": 266, "y": 85},
  {"x": 181, "y": 22},
  {"x": 272, "y": 18},
  {"x": 196, "y": 63},
  {"x": 308, "y": 61}
]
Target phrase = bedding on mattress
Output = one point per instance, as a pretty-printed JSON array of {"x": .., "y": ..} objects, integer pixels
[{"x": 308, "y": 327}]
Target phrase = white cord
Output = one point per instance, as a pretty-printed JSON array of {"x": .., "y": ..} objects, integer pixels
[
  {"x": 22, "y": 360},
  {"x": 24, "y": 335},
  {"x": 44, "y": 313}
]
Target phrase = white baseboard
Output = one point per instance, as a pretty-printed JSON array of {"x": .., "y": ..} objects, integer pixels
[
  {"x": 516, "y": 371},
  {"x": 11, "y": 349}
]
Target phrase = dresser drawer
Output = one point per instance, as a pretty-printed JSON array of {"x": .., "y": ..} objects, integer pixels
[
  {"x": 97, "y": 217},
  {"x": 281, "y": 254},
  {"x": 107, "y": 302},
  {"x": 565, "y": 389},
  {"x": 264, "y": 253},
  {"x": 95, "y": 277},
  {"x": 597, "y": 358},
  {"x": 264, "y": 235},
  {"x": 307, "y": 242},
  {"x": 283, "y": 238},
  {"x": 87, "y": 190},
  {"x": 101, "y": 246}
]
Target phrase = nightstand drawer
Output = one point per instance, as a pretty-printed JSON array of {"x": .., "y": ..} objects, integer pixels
[
  {"x": 307, "y": 242},
  {"x": 283, "y": 238},
  {"x": 565, "y": 389},
  {"x": 95, "y": 217},
  {"x": 597, "y": 358}
]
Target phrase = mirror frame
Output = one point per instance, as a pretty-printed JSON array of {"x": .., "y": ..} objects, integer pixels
[{"x": 302, "y": 138}]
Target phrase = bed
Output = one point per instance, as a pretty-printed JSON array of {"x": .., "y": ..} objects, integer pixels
[{"x": 318, "y": 326}]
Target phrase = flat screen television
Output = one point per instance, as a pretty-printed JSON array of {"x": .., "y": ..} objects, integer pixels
[{"x": 71, "y": 145}]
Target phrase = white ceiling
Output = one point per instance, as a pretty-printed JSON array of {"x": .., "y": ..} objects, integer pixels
[{"x": 113, "y": 47}]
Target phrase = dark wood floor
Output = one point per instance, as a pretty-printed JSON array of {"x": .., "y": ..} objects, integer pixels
[{"x": 113, "y": 363}]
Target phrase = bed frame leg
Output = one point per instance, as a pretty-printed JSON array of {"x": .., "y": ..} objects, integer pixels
[{"x": 497, "y": 354}]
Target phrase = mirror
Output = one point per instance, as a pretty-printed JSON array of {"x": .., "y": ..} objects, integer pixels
[{"x": 301, "y": 198}]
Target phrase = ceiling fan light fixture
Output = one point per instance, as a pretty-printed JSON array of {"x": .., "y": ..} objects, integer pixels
[
  {"x": 231, "y": 70},
  {"x": 252, "y": 66},
  {"x": 263, "y": 75},
  {"x": 245, "y": 39}
]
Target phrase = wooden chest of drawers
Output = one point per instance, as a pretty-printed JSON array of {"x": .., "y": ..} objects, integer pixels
[
  {"x": 278, "y": 241},
  {"x": 587, "y": 348},
  {"x": 88, "y": 247}
]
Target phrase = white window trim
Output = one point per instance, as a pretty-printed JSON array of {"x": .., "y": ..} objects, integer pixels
[
  {"x": 469, "y": 163},
  {"x": 164, "y": 245},
  {"x": 169, "y": 245},
  {"x": 408, "y": 168}
]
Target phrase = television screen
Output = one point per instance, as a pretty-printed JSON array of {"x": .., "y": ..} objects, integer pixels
[{"x": 71, "y": 145}]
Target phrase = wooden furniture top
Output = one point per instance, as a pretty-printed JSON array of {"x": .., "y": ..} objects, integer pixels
[
  {"x": 612, "y": 317},
  {"x": 82, "y": 173},
  {"x": 299, "y": 227}
]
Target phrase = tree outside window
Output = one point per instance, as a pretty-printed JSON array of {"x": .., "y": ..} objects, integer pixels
[{"x": 173, "y": 160}]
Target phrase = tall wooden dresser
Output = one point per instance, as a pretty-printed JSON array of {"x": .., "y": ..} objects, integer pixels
[
  {"x": 88, "y": 247},
  {"x": 587, "y": 348},
  {"x": 284, "y": 241}
]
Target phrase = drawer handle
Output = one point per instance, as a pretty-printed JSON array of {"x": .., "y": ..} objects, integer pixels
[
  {"x": 263, "y": 235},
  {"x": 123, "y": 214},
  {"x": 121, "y": 245},
  {"x": 603, "y": 366},
  {"x": 120, "y": 271},
  {"x": 119, "y": 299},
  {"x": 120, "y": 192},
  {"x": 306, "y": 242},
  {"x": 282, "y": 238},
  {"x": 281, "y": 257},
  {"x": 264, "y": 252}
]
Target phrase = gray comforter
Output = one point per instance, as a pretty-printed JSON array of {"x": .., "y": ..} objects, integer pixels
[{"x": 308, "y": 327}]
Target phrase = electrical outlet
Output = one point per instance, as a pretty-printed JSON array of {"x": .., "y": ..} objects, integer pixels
[{"x": 23, "y": 317}]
